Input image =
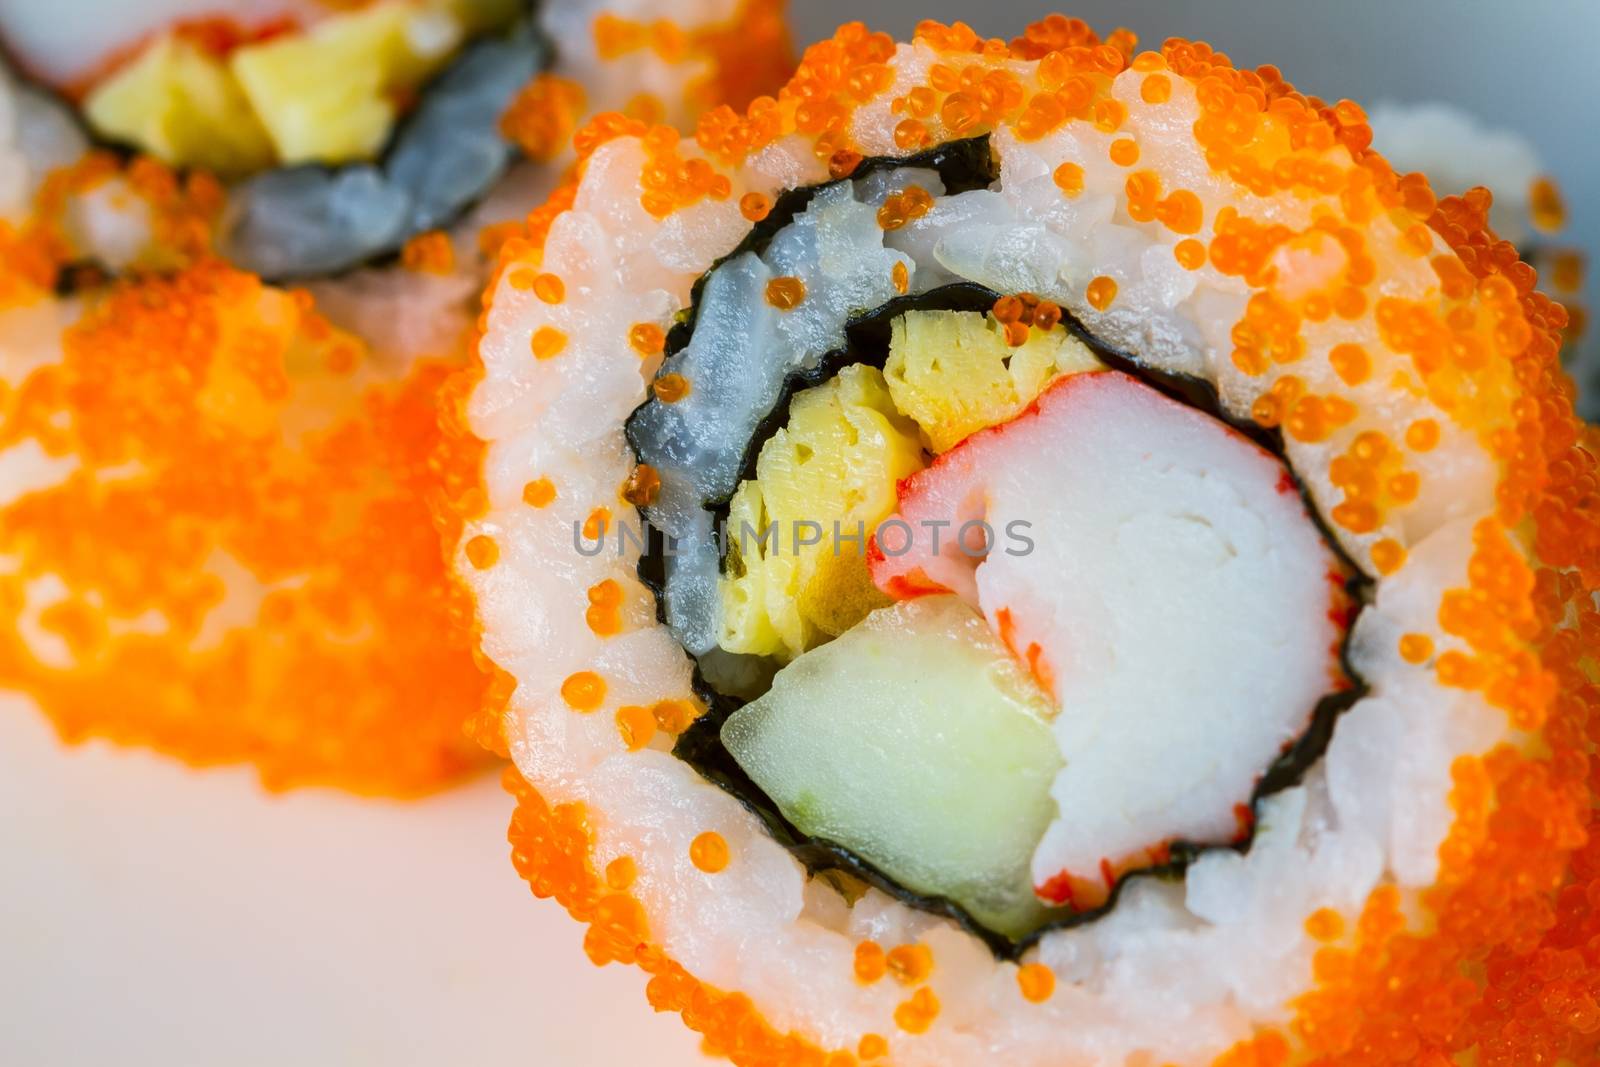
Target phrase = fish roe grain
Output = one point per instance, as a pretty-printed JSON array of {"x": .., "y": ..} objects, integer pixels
[
  {"x": 342, "y": 358},
  {"x": 1546, "y": 206},
  {"x": 584, "y": 691},
  {"x": 910, "y": 964},
  {"x": 1156, "y": 89},
  {"x": 1266, "y": 410},
  {"x": 539, "y": 493},
  {"x": 670, "y": 388},
  {"x": 709, "y": 852},
  {"x": 872, "y": 1047},
  {"x": 1351, "y": 363},
  {"x": 595, "y": 526},
  {"x": 1324, "y": 924},
  {"x": 918, "y": 1014},
  {"x": 1037, "y": 982},
  {"x": 871, "y": 962},
  {"x": 1422, "y": 435},
  {"x": 548, "y": 342},
  {"x": 604, "y": 614},
  {"x": 642, "y": 487},
  {"x": 636, "y": 725},
  {"x": 647, "y": 339},
  {"x": 1357, "y": 516},
  {"x": 1566, "y": 271},
  {"x": 543, "y": 116},
  {"x": 482, "y": 551},
  {"x": 843, "y": 163},
  {"x": 755, "y": 206},
  {"x": 900, "y": 276},
  {"x": 1250, "y": 361},
  {"x": 1349, "y": 303},
  {"x": 786, "y": 292},
  {"x": 1459, "y": 670},
  {"x": 1404, "y": 486},
  {"x": 549, "y": 288},
  {"x": 911, "y": 134},
  {"x": 1101, "y": 292},
  {"x": 1190, "y": 254},
  {"x": 674, "y": 716},
  {"x": 429, "y": 253},
  {"x": 1124, "y": 151},
  {"x": 1181, "y": 212},
  {"x": 1109, "y": 115},
  {"x": 1388, "y": 556},
  {"x": 1417, "y": 239},
  {"x": 621, "y": 873},
  {"x": 1069, "y": 179},
  {"x": 1415, "y": 648}
]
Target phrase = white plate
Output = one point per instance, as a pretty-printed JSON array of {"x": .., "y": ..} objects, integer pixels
[{"x": 150, "y": 914}]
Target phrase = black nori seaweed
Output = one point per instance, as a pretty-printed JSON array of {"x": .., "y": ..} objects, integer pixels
[
  {"x": 77, "y": 276},
  {"x": 962, "y": 166},
  {"x": 969, "y": 165}
]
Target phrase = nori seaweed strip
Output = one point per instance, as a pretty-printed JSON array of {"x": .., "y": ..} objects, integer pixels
[
  {"x": 867, "y": 341},
  {"x": 523, "y": 29}
]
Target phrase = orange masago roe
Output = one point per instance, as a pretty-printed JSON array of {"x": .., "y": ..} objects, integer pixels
[
  {"x": 228, "y": 552},
  {"x": 1498, "y": 963}
]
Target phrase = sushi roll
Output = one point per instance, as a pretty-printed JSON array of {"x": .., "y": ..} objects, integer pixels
[
  {"x": 1044, "y": 552},
  {"x": 299, "y": 105},
  {"x": 346, "y": 130},
  {"x": 221, "y": 497}
]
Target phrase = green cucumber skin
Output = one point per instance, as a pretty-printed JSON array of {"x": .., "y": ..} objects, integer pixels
[{"x": 916, "y": 743}]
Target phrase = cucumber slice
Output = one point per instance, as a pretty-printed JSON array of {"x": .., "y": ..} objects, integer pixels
[{"x": 915, "y": 741}]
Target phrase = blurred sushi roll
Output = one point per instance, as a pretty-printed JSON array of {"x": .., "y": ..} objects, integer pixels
[
  {"x": 1463, "y": 157},
  {"x": 345, "y": 130},
  {"x": 221, "y": 498},
  {"x": 1042, "y": 552},
  {"x": 300, "y": 105}
]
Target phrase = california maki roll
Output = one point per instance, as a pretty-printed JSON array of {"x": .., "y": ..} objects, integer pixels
[
  {"x": 222, "y": 496},
  {"x": 1044, "y": 552}
]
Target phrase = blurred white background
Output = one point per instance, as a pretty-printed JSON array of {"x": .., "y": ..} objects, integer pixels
[{"x": 149, "y": 915}]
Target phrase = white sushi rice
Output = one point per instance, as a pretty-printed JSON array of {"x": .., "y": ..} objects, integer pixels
[{"x": 1178, "y": 971}]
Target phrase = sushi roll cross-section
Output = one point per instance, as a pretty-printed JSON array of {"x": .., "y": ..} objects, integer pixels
[
  {"x": 344, "y": 130},
  {"x": 222, "y": 496},
  {"x": 1045, "y": 552}
]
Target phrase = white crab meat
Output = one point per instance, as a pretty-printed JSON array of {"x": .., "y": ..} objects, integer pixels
[{"x": 1158, "y": 573}]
